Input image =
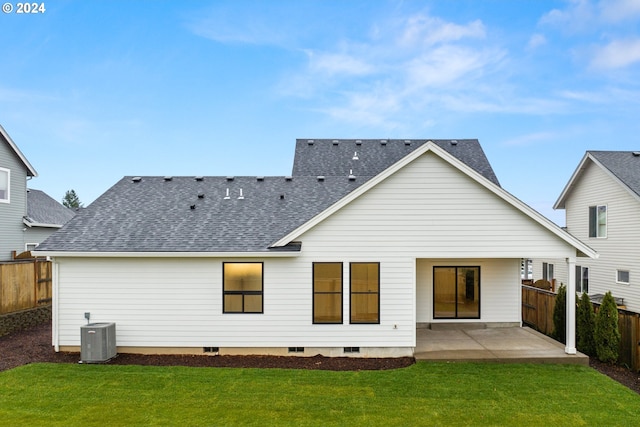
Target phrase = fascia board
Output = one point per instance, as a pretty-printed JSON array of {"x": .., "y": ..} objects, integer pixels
[
  {"x": 38, "y": 224},
  {"x": 70, "y": 254},
  {"x": 560, "y": 203},
  {"x": 15, "y": 148}
]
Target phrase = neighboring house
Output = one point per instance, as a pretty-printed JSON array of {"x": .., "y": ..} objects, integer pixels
[
  {"x": 364, "y": 242},
  {"x": 15, "y": 170},
  {"x": 44, "y": 216},
  {"x": 602, "y": 206}
]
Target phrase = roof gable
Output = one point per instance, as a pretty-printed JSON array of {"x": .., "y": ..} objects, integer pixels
[
  {"x": 622, "y": 166},
  {"x": 463, "y": 168},
  {"x": 5, "y": 136}
]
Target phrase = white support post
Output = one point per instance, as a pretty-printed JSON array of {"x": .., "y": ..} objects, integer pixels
[{"x": 570, "y": 347}]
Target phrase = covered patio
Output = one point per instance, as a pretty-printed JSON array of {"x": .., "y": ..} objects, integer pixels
[{"x": 475, "y": 343}]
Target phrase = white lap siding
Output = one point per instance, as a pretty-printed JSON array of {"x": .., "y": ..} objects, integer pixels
[
  {"x": 427, "y": 210},
  {"x": 620, "y": 249},
  {"x": 499, "y": 289}
]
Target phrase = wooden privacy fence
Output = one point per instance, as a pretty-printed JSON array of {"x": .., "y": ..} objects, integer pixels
[
  {"x": 537, "y": 312},
  {"x": 537, "y": 308},
  {"x": 24, "y": 285}
]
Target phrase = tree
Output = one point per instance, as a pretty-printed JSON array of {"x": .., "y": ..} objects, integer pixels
[
  {"x": 560, "y": 315},
  {"x": 71, "y": 200},
  {"x": 585, "y": 322},
  {"x": 606, "y": 333}
]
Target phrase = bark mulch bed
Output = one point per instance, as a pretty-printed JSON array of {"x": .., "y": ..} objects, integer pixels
[{"x": 34, "y": 345}]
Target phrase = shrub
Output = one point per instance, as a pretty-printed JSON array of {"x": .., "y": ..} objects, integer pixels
[
  {"x": 560, "y": 315},
  {"x": 585, "y": 323},
  {"x": 606, "y": 333}
]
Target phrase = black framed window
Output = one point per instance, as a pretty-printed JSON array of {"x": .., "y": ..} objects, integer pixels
[
  {"x": 365, "y": 292},
  {"x": 598, "y": 221},
  {"x": 327, "y": 292},
  {"x": 242, "y": 287},
  {"x": 456, "y": 292},
  {"x": 582, "y": 279}
]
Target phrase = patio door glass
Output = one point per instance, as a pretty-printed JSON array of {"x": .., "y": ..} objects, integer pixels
[{"x": 456, "y": 292}]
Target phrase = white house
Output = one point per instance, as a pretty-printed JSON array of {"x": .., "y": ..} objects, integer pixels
[
  {"x": 364, "y": 242},
  {"x": 602, "y": 206}
]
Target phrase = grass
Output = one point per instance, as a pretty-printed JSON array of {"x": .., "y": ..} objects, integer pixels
[{"x": 423, "y": 394}]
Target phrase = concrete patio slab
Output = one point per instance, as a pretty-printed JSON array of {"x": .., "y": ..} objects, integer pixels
[{"x": 501, "y": 345}]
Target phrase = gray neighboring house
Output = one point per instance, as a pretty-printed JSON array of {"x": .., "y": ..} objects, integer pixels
[
  {"x": 27, "y": 217},
  {"x": 44, "y": 217},
  {"x": 365, "y": 242},
  {"x": 602, "y": 207},
  {"x": 15, "y": 170}
]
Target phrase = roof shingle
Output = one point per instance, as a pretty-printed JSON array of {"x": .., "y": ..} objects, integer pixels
[{"x": 210, "y": 214}]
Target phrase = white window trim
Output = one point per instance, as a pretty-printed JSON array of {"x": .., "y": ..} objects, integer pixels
[
  {"x": 618, "y": 270},
  {"x": 8, "y": 199}
]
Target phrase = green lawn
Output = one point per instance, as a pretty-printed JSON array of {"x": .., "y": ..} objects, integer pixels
[{"x": 423, "y": 394}]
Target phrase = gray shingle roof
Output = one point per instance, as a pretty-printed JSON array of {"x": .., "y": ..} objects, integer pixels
[
  {"x": 42, "y": 209},
  {"x": 189, "y": 214},
  {"x": 334, "y": 157},
  {"x": 623, "y": 164},
  {"x": 156, "y": 215}
]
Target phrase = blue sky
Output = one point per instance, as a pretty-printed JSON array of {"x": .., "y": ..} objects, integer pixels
[{"x": 94, "y": 90}]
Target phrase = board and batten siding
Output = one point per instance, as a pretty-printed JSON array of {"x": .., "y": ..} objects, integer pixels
[
  {"x": 426, "y": 210},
  {"x": 11, "y": 213},
  {"x": 621, "y": 248}
]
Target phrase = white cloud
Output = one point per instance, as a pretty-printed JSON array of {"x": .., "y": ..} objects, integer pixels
[
  {"x": 234, "y": 25},
  {"x": 425, "y": 31},
  {"x": 532, "y": 139},
  {"x": 404, "y": 66},
  {"x": 614, "y": 11},
  {"x": 445, "y": 66},
  {"x": 536, "y": 41},
  {"x": 617, "y": 54},
  {"x": 337, "y": 63},
  {"x": 578, "y": 16}
]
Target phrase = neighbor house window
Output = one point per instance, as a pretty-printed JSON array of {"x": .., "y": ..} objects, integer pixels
[
  {"x": 327, "y": 292},
  {"x": 597, "y": 221},
  {"x": 582, "y": 279},
  {"x": 242, "y": 287},
  {"x": 547, "y": 272},
  {"x": 4, "y": 185},
  {"x": 365, "y": 292},
  {"x": 622, "y": 276},
  {"x": 456, "y": 292}
]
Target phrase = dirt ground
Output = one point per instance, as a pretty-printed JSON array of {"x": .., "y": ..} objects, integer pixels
[{"x": 34, "y": 345}]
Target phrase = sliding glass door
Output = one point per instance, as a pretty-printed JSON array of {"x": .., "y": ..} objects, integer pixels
[{"x": 456, "y": 292}]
